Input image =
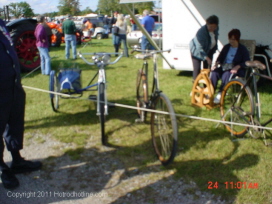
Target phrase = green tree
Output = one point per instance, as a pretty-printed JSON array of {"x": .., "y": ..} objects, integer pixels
[
  {"x": 69, "y": 7},
  {"x": 109, "y": 6},
  {"x": 86, "y": 11},
  {"x": 17, "y": 9},
  {"x": 140, "y": 7}
]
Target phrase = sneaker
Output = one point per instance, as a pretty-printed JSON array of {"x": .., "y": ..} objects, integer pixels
[
  {"x": 24, "y": 166},
  {"x": 9, "y": 179},
  {"x": 217, "y": 98}
]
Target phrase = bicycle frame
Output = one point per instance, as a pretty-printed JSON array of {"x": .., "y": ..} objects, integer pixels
[
  {"x": 155, "y": 84},
  {"x": 252, "y": 78},
  {"x": 101, "y": 74},
  {"x": 253, "y": 75}
]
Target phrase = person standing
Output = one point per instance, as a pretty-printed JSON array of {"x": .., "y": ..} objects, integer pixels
[
  {"x": 42, "y": 45},
  {"x": 204, "y": 45},
  {"x": 129, "y": 28},
  {"x": 112, "y": 24},
  {"x": 106, "y": 24},
  {"x": 133, "y": 25},
  {"x": 12, "y": 109},
  {"x": 122, "y": 34},
  {"x": 148, "y": 23},
  {"x": 69, "y": 30}
]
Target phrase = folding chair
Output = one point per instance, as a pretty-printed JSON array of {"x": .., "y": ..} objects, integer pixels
[{"x": 86, "y": 38}]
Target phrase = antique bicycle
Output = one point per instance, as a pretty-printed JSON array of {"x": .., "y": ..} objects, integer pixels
[
  {"x": 164, "y": 128},
  {"x": 68, "y": 84},
  {"x": 240, "y": 103}
]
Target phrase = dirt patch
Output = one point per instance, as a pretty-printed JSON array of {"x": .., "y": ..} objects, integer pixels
[{"x": 96, "y": 176}]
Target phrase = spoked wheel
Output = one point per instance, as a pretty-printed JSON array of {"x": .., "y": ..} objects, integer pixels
[
  {"x": 164, "y": 129},
  {"x": 236, "y": 106},
  {"x": 102, "y": 116},
  {"x": 206, "y": 90},
  {"x": 53, "y": 86},
  {"x": 25, "y": 44},
  {"x": 202, "y": 91},
  {"x": 141, "y": 94}
]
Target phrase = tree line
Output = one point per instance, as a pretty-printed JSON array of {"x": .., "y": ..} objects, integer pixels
[{"x": 73, "y": 7}]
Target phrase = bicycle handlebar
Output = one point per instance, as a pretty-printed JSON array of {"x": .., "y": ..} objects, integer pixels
[
  {"x": 150, "y": 51},
  {"x": 97, "y": 55}
]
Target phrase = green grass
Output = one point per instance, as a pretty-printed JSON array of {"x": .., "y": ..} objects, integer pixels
[{"x": 206, "y": 153}]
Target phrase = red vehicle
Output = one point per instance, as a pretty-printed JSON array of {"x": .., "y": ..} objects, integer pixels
[{"x": 58, "y": 37}]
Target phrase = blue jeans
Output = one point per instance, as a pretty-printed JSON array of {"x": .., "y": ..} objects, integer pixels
[
  {"x": 145, "y": 44},
  {"x": 70, "y": 40},
  {"x": 45, "y": 60},
  {"x": 121, "y": 38}
]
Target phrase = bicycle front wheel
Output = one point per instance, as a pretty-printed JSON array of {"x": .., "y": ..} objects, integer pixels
[
  {"x": 141, "y": 94},
  {"x": 236, "y": 105},
  {"x": 102, "y": 116},
  {"x": 53, "y": 86},
  {"x": 164, "y": 129}
]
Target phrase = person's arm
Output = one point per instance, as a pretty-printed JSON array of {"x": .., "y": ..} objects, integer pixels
[
  {"x": 74, "y": 27},
  {"x": 39, "y": 34},
  {"x": 200, "y": 41},
  {"x": 221, "y": 57},
  {"x": 143, "y": 22}
]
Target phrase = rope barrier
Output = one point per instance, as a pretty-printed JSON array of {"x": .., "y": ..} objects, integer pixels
[{"x": 154, "y": 111}]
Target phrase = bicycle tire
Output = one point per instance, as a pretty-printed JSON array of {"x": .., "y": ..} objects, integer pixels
[
  {"x": 164, "y": 129},
  {"x": 241, "y": 111},
  {"x": 141, "y": 94},
  {"x": 54, "y": 88},
  {"x": 102, "y": 116}
]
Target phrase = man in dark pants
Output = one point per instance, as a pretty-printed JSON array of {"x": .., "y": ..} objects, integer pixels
[{"x": 12, "y": 109}]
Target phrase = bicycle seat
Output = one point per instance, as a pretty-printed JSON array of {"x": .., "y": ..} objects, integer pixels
[
  {"x": 256, "y": 64},
  {"x": 143, "y": 56}
]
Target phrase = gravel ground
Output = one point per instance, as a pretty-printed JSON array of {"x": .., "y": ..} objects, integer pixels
[{"x": 96, "y": 177}]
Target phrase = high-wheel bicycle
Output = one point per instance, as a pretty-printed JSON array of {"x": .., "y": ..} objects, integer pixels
[
  {"x": 67, "y": 85},
  {"x": 163, "y": 123},
  {"x": 240, "y": 104}
]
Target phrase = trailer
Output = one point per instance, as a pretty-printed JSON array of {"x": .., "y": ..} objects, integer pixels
[{"x": 182, "y": 19}]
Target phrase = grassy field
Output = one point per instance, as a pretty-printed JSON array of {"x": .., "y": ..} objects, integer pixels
[{"x": 205, "y": 153}]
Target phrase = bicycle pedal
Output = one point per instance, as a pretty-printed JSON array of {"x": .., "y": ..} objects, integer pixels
[{"x": 93, "y": 97}]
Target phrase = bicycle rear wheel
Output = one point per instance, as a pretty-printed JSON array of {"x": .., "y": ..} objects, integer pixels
[
  {"x": 164, "y": 129},
  {"x": 236, "y": 105},
  {"x": 102, "y": 116},
  {"x": 53, "y": 86},
  {"x": 141, "y": 94}
]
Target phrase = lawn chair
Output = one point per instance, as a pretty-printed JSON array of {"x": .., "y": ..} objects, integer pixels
[{"x": 86, "y": 38}]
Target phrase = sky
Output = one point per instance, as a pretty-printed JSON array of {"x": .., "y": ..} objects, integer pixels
[{"x": 43, "y": 6}]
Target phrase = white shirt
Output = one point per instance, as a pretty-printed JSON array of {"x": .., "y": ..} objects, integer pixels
[{"x": 213, "y": 42}]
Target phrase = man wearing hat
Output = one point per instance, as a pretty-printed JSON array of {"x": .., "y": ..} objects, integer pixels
[{"x": 69, "y": 30}]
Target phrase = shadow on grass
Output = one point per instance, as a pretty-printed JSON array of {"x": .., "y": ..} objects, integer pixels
[
  {"x": 116, "y": 173},
  {"x": 92, "y": 169}
]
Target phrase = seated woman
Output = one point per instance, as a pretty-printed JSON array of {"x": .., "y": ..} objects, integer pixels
[{"x": 231, "y": 61}]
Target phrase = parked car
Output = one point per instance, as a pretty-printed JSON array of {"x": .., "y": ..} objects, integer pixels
[
  {"x": 135, "y": 37},
  {"x": 99, "y": 31}
]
